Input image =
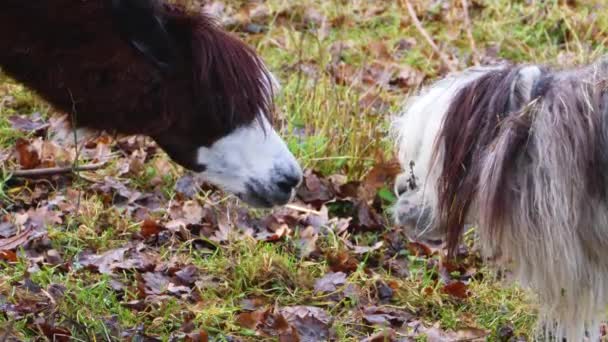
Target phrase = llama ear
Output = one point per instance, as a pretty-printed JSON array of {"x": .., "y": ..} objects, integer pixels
[
  {"x": 139, "y": 22},
  {"x": 522, "y": 86}
]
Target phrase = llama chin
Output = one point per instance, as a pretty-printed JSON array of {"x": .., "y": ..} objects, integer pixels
[{"x": 519, "y": 152}]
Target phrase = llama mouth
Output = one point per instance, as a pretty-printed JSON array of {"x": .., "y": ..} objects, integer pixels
[{"x": 261, "y": 197}]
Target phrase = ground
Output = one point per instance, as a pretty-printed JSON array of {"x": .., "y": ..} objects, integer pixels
[{"x": 140, "y": 250}]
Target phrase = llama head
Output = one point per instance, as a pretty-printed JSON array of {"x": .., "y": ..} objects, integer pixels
[{"x": 218, "y": 96}]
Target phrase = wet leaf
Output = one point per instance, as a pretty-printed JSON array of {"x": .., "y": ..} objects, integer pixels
[
  {"x": 149, "y": 228},
  {"x": 31, "y": 123},
  {"x": 311, "y": 323},
  {"x": 126, "y": 258},
  {"x": 330, "y": 282},
  {"x": 342, "y": 262},
  {"x": 7, "y": 255},
  {"x": 456, "y": 289},
  {"x": 251, "y": 320},
  {"x": 17, "y": 240},
  {"x": 27, "y": 155}
]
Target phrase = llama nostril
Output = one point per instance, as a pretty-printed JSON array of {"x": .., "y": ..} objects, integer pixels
[{"x": 288, "y": 183}]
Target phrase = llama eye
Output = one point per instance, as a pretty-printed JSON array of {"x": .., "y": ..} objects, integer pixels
[{"x": 400, "y": 189}]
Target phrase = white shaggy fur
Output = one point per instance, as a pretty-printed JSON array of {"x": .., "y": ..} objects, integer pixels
[
  {"x": 554, "y": 238},
  {"x": 414, "y": 132}
]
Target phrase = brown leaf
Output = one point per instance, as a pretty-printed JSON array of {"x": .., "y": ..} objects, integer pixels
[
  {"x": 252, "y": 304},
  {"x": 150, "y": 227},
  {"x": 28, "y": 156},
  {"x": 30, "y": 123},
  {"x": 17, "y": 240},
  {"x": 311, "y": 323},
  {"x": 367, "y": 217},
  {"x": 187, "y": 275},
  {"x": 435, "y": 333},
  {"x": 251, "y": 320},
  {"x": 456, "y": 289},
  {"x": 155, "y": 283},
  {"x": 330, "y": 282},
  {"x": 342, "y": 262},
  {"x": 419, "y": 249},
  {"x": 7, "y": 229},
  {"x": 53, "y": 257},
  {"x": 53, "y": 332},
  {"x": 315, "y": 190},
  {"x": 471, "y": 334},
  {"x": 367, "y": 249},
  {"x": 380, "y": 175},
  {"x": 9, "y": 256},
  {"x": 376, "y": 315},
  {"x": 201, "y": 336},
  {"x": 386, "y": 335},
  {"x": 189, "y": 212},
  {"x": 186, "y": 186},
  {"x": 113, "y": 186},
  {"x": 126, "y": 258}
]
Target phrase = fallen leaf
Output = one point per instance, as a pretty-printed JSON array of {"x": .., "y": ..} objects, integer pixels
[
  {"x": 251, "y": 320},
  {"x": 386, "y": 335},
  {"x": 27, "y": 156},
  {"x": 380, "y": 175},
  {"x": 315, "y": 190},
  {"x": 126, "y": 258},
  {"x": 187, "y": 186},
  {"x": 150, "y": 227},
  {"x": 456, "y": 289},
  {"x": 9, "y": 256},
  {"x": 312, "y": 323},
  {"x": 187, "y": 275},
  {"x": 385, "y": 316},
  {"x": 330, "y": 282},
  {"x": 53, "y": 332},
  {"x": 31, "y": 123},
  {"x": 342, "y": 262},
  {"x": 17, "y": 240},
  {"x": 201, "y": 336}
]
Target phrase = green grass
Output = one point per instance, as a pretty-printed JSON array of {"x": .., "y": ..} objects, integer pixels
[{"x": 328, "y": 130}]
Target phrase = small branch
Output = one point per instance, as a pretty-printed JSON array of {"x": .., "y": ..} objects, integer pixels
[
  {"x": 56, "y": 170},
  {"x": 426, "y": 36},
  {"x": 302, "y": 209},
  {"x": 467, "y": 23}
]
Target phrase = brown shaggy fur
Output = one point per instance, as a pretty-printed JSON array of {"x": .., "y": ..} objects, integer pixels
[{"x": 77, "y": 56}]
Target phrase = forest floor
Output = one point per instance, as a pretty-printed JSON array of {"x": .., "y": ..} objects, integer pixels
[{"x": 140, "y": 250}]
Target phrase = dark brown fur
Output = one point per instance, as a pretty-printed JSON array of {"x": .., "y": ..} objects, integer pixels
[
  {"x": 470, "y": 125},
  {"x": 74, "y": 55}
]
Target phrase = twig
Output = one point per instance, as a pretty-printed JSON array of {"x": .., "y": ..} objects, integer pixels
[
  {"x": 56, "y": 170},
  {"x": 76, "y": 150},
  {"x": 426, "y": 36},
  {"x": 467, "y": 23},
  {"x": 302, "y": 209}
]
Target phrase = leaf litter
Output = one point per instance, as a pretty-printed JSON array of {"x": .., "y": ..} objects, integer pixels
[{"x": 326, "y": 207}]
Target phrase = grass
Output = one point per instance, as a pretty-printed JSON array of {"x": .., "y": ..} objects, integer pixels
[{"x": 329, "y": 130}]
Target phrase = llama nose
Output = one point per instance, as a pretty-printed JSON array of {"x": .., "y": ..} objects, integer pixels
[{"x": 289, "y": 182}]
